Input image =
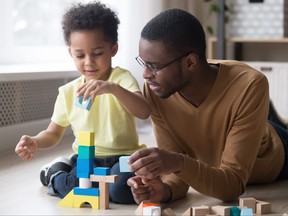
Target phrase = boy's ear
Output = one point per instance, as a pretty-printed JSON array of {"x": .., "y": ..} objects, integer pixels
[
  {"x": 114, "y": 49},
  {"x": 69, "y": 50}
]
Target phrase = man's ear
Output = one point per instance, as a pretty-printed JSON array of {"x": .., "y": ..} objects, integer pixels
[
  {"x": 114, "y": 49},
  {"x": 192, "y": 60}
]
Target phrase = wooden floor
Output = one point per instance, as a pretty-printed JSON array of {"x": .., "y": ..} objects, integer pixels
[{"x": 21, "y": 192}]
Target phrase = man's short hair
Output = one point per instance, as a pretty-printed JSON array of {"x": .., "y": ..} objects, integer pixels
[{"x": 179, "y": 30}]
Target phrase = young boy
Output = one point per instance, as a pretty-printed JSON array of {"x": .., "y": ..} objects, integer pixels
[{"x": 90, "y": 31}]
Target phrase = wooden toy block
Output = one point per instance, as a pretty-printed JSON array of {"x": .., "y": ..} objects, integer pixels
[
  {"x": 80, "y": 200},
  {"x": 248, "y": 202},
  {"x": 86, "y": 152},
  {"x": 200, "y": 210},
  {"x": 85, "y": 165},
  {"x": 188, "y": 212},
  {"x": 124, "y": 166},
  {"x": 152, "y": 211},
  {"x": 104, "y": 198},
  {"x": 84, "y": 104},
  {"x": 246, "y": 212},
  {"x": 86, "y": 191},
  {"x": 168, "y": 212},
  {"x": 235, "y": 211},
  {"x": 85, "y": 183},
  {"x": 220, "y": 210},
  {"x": 86, "y": 138},
  {"x": 263, "y": 208},
  {"x": 103, "y": 171},
  {"x": 107, "y": 179},
  {"x": 68, "y": 200},
  {"x": 145, "y": 203}
]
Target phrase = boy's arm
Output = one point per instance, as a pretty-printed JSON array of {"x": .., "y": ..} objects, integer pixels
[
  {"x": 134, "y": 102},
  {"x": 49, "y": 137},
  {"x": 27, "y": 146}
]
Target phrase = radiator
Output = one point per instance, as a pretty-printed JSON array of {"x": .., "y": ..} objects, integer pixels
[
  {"x": 27, "y": 102},
  {"x": 277, "y": 75}
]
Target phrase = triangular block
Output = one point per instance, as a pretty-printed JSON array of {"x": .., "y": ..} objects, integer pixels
[{"x": 68, "y": 200}]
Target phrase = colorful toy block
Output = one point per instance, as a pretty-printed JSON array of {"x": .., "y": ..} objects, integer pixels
[
  {"x": 84, "y": 104},
  {"x": 123, "y": 164},
  {"x": 246, "y": 212},
  {"x": 85, "y": 182},
  {"x": 235, "y": 211},
  {"x": 86, "y": 138},
  {"x": 80, "y": 200},
  {"x": 142, "y": 205},
  {"x": 102, "y": 171},
  {"x": 248, "y": 202},
  {"x": 86, "y": 192},
  {"x": 152, "y": 211},
  {"x": 86, "y": 152}
]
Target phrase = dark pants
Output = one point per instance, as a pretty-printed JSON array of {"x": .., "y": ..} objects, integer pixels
[
  {"x": 282, "y": 131},
  {"x": 283, "y": 134},
  {"x": 119, "y": 192}
]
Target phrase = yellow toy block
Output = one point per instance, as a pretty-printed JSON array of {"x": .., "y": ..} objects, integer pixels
[
  {"x": 80, "y": 200},
  {"x": 86, "y": 138},
  {"x": 68, "y": 200}
]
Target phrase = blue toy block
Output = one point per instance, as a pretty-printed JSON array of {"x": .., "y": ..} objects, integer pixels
[
  {"x": 246, "y": 212},
  {"x": 234, "y": 211},
  {"x": 124, "y": 166},
  {"x": 84, "y": 104},
  {"x": 103, "y": 171},
  {"x": 86, "y": 152},
  {"x": 83, "y": 174},
  {"x": 86, "y": 191},
  {"x": 85, "y": 165}
]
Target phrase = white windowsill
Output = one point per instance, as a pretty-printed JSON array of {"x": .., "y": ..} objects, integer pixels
[{"x": 9, "y": 72}]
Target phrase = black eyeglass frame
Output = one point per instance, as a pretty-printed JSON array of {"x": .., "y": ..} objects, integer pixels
[{"x": 153, "y": 70}]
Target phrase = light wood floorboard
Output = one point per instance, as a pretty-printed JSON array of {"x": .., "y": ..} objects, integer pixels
[{"x": 21, "y": 192}]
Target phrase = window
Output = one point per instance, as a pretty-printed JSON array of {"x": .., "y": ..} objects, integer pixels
[{"x": 31, "y": 30}]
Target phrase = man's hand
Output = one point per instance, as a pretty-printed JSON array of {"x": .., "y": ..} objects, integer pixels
[
  {"x": 154, "y": 190},
  {"x": 150, "y": 163}
]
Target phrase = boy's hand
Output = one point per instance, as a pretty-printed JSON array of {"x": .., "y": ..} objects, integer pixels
[
  {"x": 95, "y": 87},
  {"x": 26, "y": 148}
]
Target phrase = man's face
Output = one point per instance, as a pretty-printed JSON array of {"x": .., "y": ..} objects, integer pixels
[{"x": 162, "y": 70}]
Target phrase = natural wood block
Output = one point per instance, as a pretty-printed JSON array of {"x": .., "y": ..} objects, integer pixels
[
  {"x": 263, "y": 208},
  {"x": 248, "y": 202},
  {"x": 200, "y": 210},
  {"x": 221, "y": 210}
]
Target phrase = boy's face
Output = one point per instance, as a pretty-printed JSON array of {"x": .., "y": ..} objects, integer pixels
[{"x": 92, "y": 53}]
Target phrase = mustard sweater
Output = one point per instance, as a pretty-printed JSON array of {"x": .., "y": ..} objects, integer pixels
[{"x": 226, "y": 141}]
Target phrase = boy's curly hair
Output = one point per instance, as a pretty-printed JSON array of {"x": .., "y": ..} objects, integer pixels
[{"x": 94, "y": 15}]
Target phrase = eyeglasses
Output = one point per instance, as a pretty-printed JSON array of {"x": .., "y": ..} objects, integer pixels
[{"x": 155, "y": 70}]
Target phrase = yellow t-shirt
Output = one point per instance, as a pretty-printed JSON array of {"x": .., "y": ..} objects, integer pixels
[{"x": 114, "y": 127}]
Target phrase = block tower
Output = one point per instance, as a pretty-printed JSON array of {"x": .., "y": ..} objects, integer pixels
[{"x": 86, "y": 174}]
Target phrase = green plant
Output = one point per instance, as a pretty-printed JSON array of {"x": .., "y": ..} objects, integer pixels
[{"x": 214, "y": 8}]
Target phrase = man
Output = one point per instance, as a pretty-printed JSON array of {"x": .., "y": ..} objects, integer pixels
[{"x": 209, "y": 118}]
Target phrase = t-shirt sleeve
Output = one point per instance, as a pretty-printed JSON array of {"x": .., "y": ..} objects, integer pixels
[
  {"x": 59, "y": 114},
  {"x": 127, "y": 81}
]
